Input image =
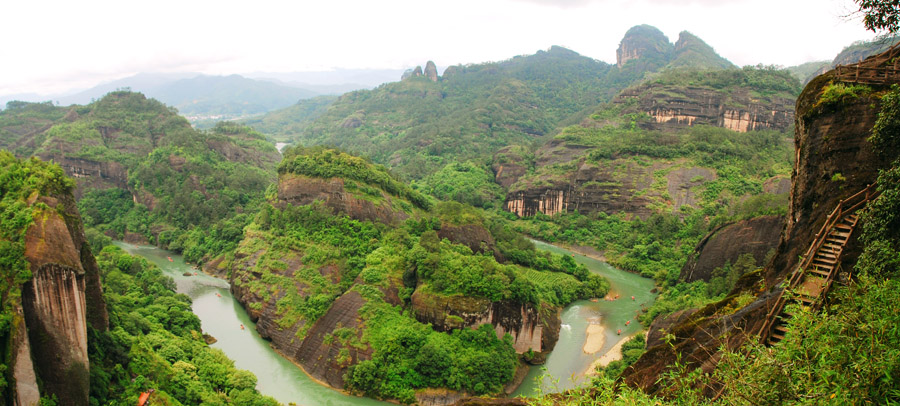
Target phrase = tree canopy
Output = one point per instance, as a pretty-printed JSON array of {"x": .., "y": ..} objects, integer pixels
[{"x": 880, "y": 15}]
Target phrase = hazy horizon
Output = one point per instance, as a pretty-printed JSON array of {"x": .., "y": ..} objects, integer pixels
[{"x": 117, "y": 40}]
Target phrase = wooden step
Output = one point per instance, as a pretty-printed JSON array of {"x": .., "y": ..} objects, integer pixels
[
  {"x": 835, "y": 240},
  {"x": 825, "y": 261},
  {"x": 832, "y": 247},
  {"x": 839, "y": 234},
  {"x": 776, "y": 336},
  {"x": 781, "y": 328},
  {"x": 826, "y": 254},
  {"x": 819, "y": 272},
  {"x": 822, "y": 267},
  {"x": 844, "y": 227}
]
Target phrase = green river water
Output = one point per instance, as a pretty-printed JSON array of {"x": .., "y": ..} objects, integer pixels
[
  {"x": 566, "y": 365},
  {"x": 222, "y": 316}
]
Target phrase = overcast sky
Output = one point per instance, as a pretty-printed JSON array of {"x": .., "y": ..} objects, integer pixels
[{"x": 52, "y": 46}]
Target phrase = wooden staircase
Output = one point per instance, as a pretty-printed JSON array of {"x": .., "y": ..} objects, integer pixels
[{"x": 817, "y": 271}]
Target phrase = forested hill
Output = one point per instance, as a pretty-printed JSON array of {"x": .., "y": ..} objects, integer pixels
[
  {"x": 421, "y": 123},
  {"x": 143, "y": 173},
  {"x": 412, "y": 125}
]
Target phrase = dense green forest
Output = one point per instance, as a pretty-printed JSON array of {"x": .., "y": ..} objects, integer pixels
[
  {"x": 847, "y": 354},
  {"x": 155, "y": 342},
  {"x": 147, "y": 172},
  {"x": 286, "y": 124},
  {"x": 426, "y": 152},
  {"x": 373, "y": 258}
]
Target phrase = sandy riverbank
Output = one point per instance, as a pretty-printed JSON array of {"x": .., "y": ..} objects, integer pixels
[
  {"x": 595, "y": 337},
  {"x": 614, "y": 354}
]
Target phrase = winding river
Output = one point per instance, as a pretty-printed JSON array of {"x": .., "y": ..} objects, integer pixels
[
  {"x": 222, "y": 317},
  {"x": 568, "y": 362}
]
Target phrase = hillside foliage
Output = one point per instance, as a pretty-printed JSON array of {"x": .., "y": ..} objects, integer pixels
[{"x": 155, "y": 342}]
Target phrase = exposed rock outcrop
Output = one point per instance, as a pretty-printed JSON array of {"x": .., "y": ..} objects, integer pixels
[
  {"x": 320, "y": 357},
  {"x": 671, "y": 107},
  {"x": 474, "y": 236},
  {"x": 756, "y": 236},
  {"x": 643, "y": 41},
  {"x": 62, "y": 298},
  {"x": 235, "y": 153},
  {"x": 827, "y": 143},
  {"x": 302, "y": 190},
  {"x": 661, "y": 326},
  {"x": 618, "y": 185},
  {"x": 411, "y": 73},
  {"x": 532, "y": 328},
  {"x": 829, "y": 140},
  {"x": 509, "y": 164},
  {"x": 431, "y": 71},
  {"x": 91, "y": 174}
]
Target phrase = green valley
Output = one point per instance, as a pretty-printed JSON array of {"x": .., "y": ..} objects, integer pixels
[{"x": 670, "y": 228}]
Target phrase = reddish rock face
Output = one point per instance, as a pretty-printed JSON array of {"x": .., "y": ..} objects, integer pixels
[
  {"x": 61, "y": 299},
  {"x": 431, "y": 71},
  {"x": 725, "y": 244},
  {"x": 609, "y": 186},
  {"x": 474, "y": 236},
  {"x": 532, "y": 328},
  {"x": 829, "y": 141},
  {"x": 671, "y": 107},
  {"x": 301, "y": 190},
  {"x": 320, "y": 358}
]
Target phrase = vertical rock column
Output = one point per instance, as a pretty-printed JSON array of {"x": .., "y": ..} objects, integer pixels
[{"x": 54, "y": 306}]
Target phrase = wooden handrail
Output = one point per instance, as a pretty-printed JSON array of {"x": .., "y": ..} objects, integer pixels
[{"x": 844, "y": 207}]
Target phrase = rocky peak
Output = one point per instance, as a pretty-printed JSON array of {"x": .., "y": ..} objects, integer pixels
[
  {"x": 692, "y": 51},
  {"x": 643, "y": 41},
  {"x": 431, "y": 71},
  {"x": 414, "y": 73}
]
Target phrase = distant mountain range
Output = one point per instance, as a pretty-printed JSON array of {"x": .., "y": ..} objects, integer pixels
[{"x": 206, "y": 99}]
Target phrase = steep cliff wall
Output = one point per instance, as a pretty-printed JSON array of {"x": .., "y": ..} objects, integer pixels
[
  {"x": 618, "y": 185},
  {"x": 532, "y": 328},
  {"x": 755, "y": 236},
  {"x": 60, "y": 300},
  {"x": 830, "y": 140},
  {"x": 301, "y": 190},
  {"x": 320, "y": 355},
  {"x": 91, "y": 174},
  {"x": 671, "y": 107}
]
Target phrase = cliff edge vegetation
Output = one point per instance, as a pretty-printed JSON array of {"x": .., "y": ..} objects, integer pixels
[{"x": 373, "y": 287}]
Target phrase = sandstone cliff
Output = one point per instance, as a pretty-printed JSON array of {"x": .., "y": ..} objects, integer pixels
[
  {"x": 532, "y": 328},
  {"x": 671, "y": 107},
  {"x": 59, "y": 302},
  {"x": 756, "y": 236},
  {"x": 431, "y": 71},
  {"x": 830, "y": 140},
  {"x": 359, "y": 204},
  {"x": 643, "y": 42},
  {"x": 618, "y": 185}
]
